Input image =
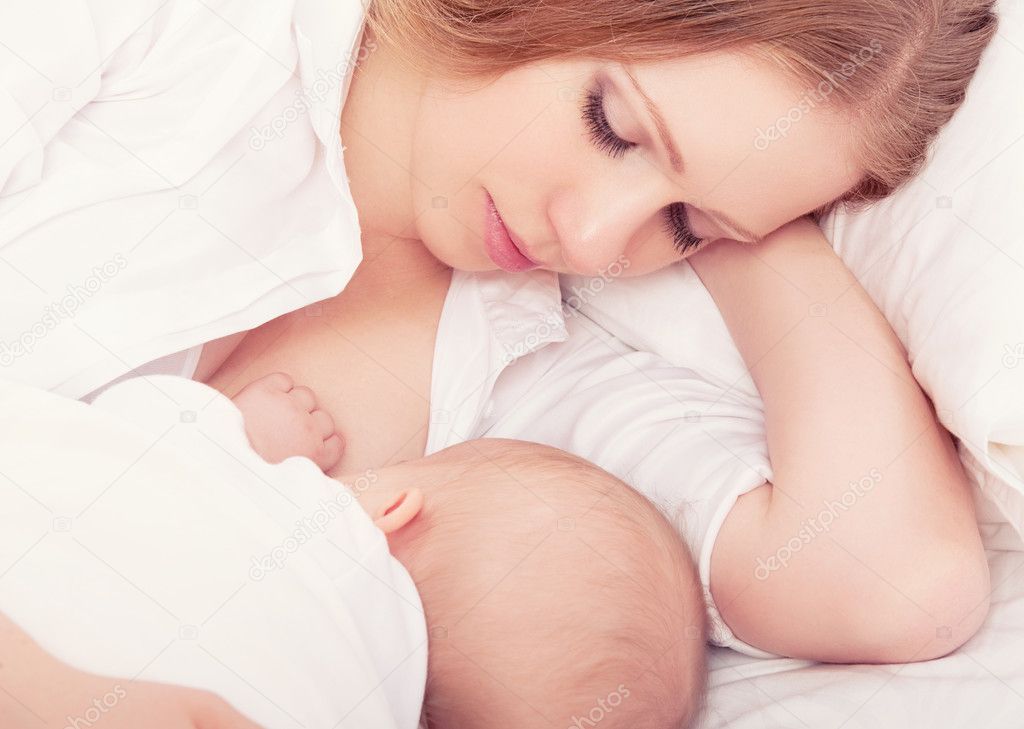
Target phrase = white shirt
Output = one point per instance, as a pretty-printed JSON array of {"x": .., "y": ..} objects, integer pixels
[
  {"x": 691, "y": 443},
  {"x": 170, "y": 173},
  {"x": 141, "y": 537}
]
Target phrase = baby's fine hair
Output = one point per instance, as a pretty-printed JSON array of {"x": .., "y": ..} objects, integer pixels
[{"x": 555, "y": 594}]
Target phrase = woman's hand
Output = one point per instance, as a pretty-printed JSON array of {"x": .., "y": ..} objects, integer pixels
[
  {"x": 39, "y": 692},
  {"x": 131, "y": 704}
]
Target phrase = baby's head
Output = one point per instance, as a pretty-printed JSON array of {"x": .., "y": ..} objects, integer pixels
[{"x": 555, "y": 595}]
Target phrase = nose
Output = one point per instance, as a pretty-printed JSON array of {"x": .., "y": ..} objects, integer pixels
[{"x": 597, "y": 222}]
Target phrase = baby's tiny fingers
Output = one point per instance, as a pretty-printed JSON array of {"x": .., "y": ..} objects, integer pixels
[
  {"x": 304, "y": 397},
  {"x": 277, "y": 381},
  {"x": 331, "y": 453},
  {"x": 324, "y": 423}
]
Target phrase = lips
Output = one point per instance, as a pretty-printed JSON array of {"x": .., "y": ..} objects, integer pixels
[{"x": 503, "y": 248}]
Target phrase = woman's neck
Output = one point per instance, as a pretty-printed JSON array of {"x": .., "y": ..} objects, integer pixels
[
  {"x": 392, "y": 266},
  {"x": 377, "y": 129}
]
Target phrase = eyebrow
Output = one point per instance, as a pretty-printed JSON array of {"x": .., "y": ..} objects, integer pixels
[
  {"x": 659, "y": 123},
  {"x": 677, "y": 160}
]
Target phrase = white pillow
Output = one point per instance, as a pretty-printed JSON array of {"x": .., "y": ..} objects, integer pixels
[{"x": 944, "y": 260}]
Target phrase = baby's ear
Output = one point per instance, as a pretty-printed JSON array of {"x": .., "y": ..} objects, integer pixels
[{"x": 399, "y": 510}]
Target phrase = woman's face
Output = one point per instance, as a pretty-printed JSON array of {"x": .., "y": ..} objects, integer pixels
[{"x": 593, "y": 165}]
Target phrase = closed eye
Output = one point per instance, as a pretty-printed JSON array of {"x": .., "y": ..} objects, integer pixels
[
  {"x": 604, "y": 138},
  {"x": 601, "y": 132},
  {"x": 677, "y": 224}
]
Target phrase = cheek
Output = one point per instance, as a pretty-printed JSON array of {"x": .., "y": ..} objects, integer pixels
[
  {"x": 521, "y": 132},
  {"x": 460, "y": 136},
  {"x": 648, "y": 261}
]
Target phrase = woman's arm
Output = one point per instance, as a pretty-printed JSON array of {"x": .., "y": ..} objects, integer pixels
[
  {"x": 865, "y": 548},
  {"x": 39, "y": 692}
]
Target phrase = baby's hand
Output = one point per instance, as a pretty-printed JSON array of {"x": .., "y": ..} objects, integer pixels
[{"x": 282, "y": 420}]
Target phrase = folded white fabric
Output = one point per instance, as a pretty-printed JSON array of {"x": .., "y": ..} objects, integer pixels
[
  {"x": 141, "y": 537},
  {"x": 943, "y": 259},
  {"x": 170, "y": 173}
]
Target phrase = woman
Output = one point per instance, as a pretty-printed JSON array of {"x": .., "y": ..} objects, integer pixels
[
  {"x": 581, "y": 176},
  {"x": 574, "y": 136}
]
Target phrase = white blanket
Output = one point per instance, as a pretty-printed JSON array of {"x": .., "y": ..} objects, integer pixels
[
  {"x": 140, "y": 537},
  {"x": 170, "y": 172}
]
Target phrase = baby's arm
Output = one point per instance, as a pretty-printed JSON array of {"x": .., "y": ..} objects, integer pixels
[
  {"x": 900, "y": 575},
  {"x": 283, "y": 420}
]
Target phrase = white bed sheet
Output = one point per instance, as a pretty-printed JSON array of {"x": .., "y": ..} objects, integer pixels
[{"x": 980, "y": 685}]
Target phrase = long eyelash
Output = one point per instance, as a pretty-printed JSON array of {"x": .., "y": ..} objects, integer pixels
[
  {"x": 600, "y": 130},
  {"x": 678, "y": 226},
  {"x": 676, "y": 222}
]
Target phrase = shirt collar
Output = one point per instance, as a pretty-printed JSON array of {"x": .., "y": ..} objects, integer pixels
[
  {"x": 328, "y": 37},
  {"x": 489, "y": 321},
  {"x": 523, "y": 311}
]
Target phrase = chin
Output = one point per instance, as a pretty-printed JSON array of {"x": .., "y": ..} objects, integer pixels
[
  {"x": 460, "y": 259},
  {"x": 475, "y": 267}
]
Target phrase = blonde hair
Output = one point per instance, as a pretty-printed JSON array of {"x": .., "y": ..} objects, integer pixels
[
  {"x": 550, "y": 587},
  {"x": 927, "y": 52}
]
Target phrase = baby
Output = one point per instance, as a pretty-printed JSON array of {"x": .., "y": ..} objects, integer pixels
[
  {"x": 555, "y": 594},
  {"x": 552, "y": 594}
]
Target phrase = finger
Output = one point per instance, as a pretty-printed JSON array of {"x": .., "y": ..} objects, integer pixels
[
  {"x": 324, "y": 423},
  {"x": 331, "y": 452},
  {"x": 304, "y": 397},
  {"x": 278, "y": 381}
]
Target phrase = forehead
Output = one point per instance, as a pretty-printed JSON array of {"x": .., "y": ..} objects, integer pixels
[{"x": 755, "y": 142}]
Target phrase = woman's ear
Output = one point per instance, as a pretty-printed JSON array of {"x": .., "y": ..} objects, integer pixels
[{"x": 399, "y": 510}]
